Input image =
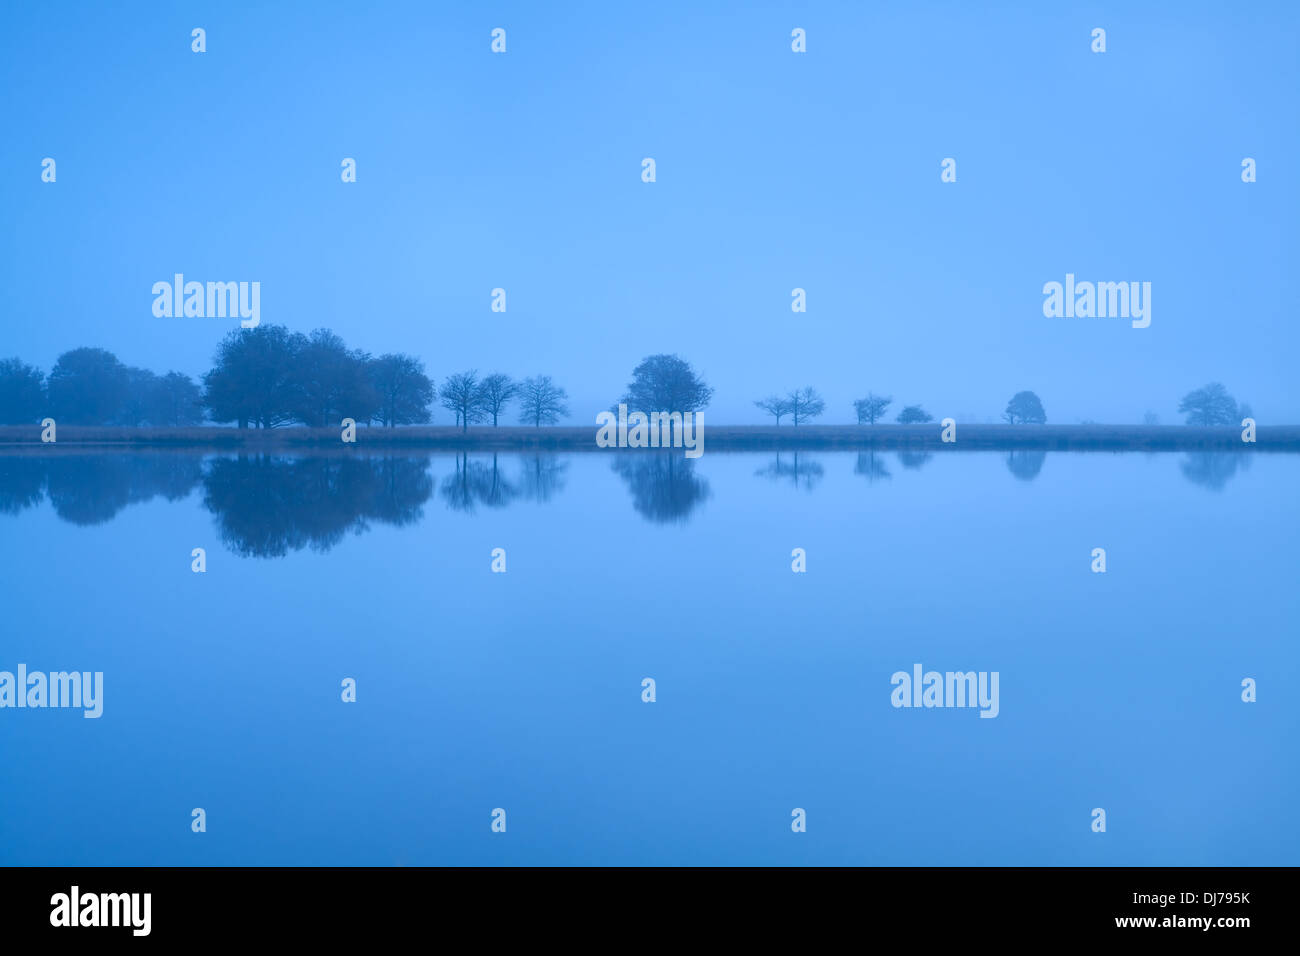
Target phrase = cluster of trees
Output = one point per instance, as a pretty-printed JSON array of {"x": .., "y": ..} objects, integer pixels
[
  {"x": 90, "y": 386},
  {"x": 268, "y": 376},
  {"x": 804, "y": 404},
  {"x": 263, "y": 378},
  {"x": 1209, "y": 405}
]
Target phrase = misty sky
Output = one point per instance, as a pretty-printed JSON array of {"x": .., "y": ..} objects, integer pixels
[{"x": 775, "y": 170}]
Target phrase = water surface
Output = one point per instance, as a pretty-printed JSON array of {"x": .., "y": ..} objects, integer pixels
[{"x": 522, "y": 690}]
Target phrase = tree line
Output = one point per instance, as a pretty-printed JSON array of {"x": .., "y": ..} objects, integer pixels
[
  {"x": 268, "y": 377},
  {"x": 1208, "y": 405}
]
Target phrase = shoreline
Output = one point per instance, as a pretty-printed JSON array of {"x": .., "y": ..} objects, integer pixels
[{"x": 27, "y": 438}]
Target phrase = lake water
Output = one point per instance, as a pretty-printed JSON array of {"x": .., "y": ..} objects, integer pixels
[{"x": 523, "y": 690}]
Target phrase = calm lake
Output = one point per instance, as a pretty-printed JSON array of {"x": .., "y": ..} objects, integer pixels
[{"x": 523, "y": 690}]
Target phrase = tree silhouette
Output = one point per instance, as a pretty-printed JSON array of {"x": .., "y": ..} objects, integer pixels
[
  {"x": 775, "y": 406},
  {"x": 22, "y": 393},
  {"x": 914, "y": 415},
  {"x": 495, "y": 392},
  {"x": 460, "y": 394},
  {"x": 252, "y": 378},
  {"x": 1209, "y": 405},
  {"x": 872, "y": 408},
  {"x": 87, "y": 386},
  {"x": 666, "y": 383},
  {"x": 330, "y": 382},
  {"x": 541, "y": 402},
  {"x": 1025, "y": 409},
  {"x": 174, "y": 401},
  {"x": 805, "y": 403},
  {"x": 404, "y": 393}
]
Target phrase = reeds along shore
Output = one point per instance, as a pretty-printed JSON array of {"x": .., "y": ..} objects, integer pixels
[{"x": 716, "y": 437}]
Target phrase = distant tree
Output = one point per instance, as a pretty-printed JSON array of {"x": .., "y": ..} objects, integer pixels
[
  {"x": 87, "y": 386},
  {"x": 22, "y": 393},
  {"x": 1025, "y": 408},
  {"x": 140, "y": 386},
  {"x": 541, "y": 402},
  {"x": 1150, "y": 418},
  {"x": 404, "y": 393},
  {"x": 1209, "y": 405},
  {"x": 252, "y": 380},
  {"x": 460, "y": 394},
  {"x": 872, "y": 407},
  {"x": 775, "y": 406},
  {"x": 495, "y": 392},
  {"x": 914, "y": 415},
  {"x": 805, "y": 403},
  {"x": 666, "y": 383},
  {"x": 175, "y": 401}
]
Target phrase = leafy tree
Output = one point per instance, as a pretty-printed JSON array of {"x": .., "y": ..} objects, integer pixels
[
  {"x": 87, "y": 386},
  {"x": 872, "y": 407},
  {"x": 666, "y": 383},
  {"x": 175, "y": 401},
  {"x": 403, "y": 391},
  {"x": 541, "y": 401},
  {"x": 460, "y": 394},
  {"x": 495, "y": 392},
  {"x": 1025, "y": 408},
  {"x": 805, "y": 403},
  {"x": 914, "y": 415},
  {"x": 1209, "y": 405},
  {"x": 22, "y": 393},
  {"x": 775, "y": 406},
  {"x": 140, "y": 385},
  {"x": 330, "y": 382},
  {"x": 252, "y": 379}
]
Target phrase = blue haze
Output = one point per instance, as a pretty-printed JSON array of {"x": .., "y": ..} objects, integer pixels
[{"x": 775, "y": 171}]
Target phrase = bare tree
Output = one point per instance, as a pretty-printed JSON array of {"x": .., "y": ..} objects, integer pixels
[
  {"x": 872, "y": 407},
  {"x": 775, "y": 406},
  {"x": 541, "y": 401},
  {"x": 494, "y": 393},
  {"x": 805, "y": 403},
  {"x": 460, "y": 394}
]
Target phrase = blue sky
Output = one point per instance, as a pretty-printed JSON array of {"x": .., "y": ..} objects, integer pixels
[{"x": 775, "y": 170}]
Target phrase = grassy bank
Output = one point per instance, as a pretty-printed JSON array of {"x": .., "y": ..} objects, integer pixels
[{"x": 716, "y": 437}]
